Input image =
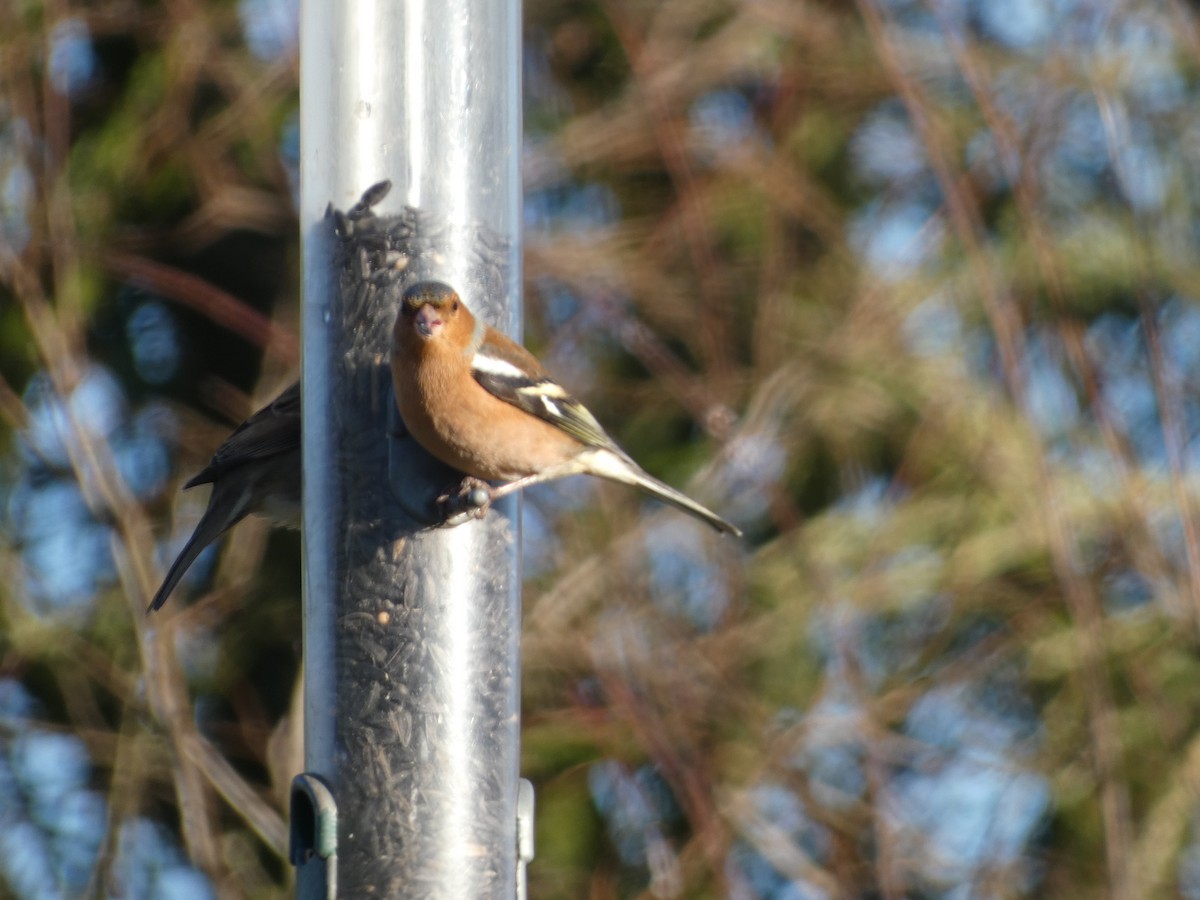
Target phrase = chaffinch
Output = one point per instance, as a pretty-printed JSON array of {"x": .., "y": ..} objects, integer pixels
[
  {"x": 484, "y": 405},
  {"x": 256, "y": 470}
]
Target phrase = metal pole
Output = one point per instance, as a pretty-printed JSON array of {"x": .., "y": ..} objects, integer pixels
[{"x": 411, "y": 633}]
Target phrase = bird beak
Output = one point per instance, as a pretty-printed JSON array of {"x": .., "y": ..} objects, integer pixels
[{"x": 427, "y": 321}]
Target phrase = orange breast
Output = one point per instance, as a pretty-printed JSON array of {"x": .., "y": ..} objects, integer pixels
[{"x": 453, "y": 417}]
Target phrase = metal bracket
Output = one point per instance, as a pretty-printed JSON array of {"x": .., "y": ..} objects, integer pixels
[
  {"x": 524, "y": 833},
  {"x": 313, "y": 843}
]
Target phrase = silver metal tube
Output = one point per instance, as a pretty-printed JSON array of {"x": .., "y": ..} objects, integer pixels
[{"x": 411, "y": 633}]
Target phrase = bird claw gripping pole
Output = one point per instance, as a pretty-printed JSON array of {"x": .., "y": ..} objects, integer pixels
[{"x": 413, "y": 476}]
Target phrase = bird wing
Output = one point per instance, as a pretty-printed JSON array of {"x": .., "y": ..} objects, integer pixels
[
  {"x": 512, "y": 374},
  {"x": 272, "y": 430}
]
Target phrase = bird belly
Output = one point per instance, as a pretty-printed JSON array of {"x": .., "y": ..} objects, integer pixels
[
  {"x": 500, "y": 447},
  {"x": 479, "y": 434}
]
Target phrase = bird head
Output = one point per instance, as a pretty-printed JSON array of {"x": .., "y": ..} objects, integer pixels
[{"x": 428, "y": 309}]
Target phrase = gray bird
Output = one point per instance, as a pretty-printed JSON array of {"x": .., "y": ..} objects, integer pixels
[{"x": 256, "y": 470}]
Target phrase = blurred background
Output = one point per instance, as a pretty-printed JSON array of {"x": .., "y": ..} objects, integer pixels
[{"x": 906, "y": 288}]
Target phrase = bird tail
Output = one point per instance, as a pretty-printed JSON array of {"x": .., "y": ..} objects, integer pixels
[
  {"x": 617, "y": 467},
  {"x": 219, "y": 516},
  {"x": 182, "y": 563}
]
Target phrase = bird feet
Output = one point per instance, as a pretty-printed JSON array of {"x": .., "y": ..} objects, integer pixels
[{"x": 470, "y": 500}]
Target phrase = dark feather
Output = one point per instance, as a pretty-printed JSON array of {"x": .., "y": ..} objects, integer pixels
[
  {"x": 517, "y": 378},
  {"x": 272, "y": 430}
]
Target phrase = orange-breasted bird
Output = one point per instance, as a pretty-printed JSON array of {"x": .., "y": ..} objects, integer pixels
[
  {"x": 256, "y": 470},
  {"x": 483, "y": 404}
]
